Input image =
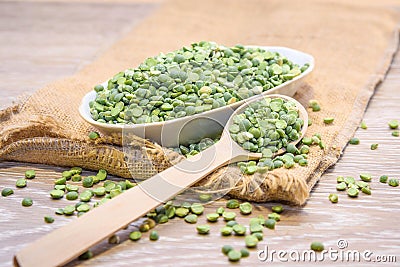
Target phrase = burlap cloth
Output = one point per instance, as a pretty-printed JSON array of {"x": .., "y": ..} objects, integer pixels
[{"x": 353, "y": 44}]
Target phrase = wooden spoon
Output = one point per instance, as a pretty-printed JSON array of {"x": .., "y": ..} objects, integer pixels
[{"x": 68, "y": 242}]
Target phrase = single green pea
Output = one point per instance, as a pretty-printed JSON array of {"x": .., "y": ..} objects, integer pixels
[
  {"x": 251, "y": 241},
  {"x": 135, "y": 235},
  {"x": 150, "y": 222},
  {"x": 303, "y": 162},
  {"x": 87, "y": 182},
  {"x": 363, "y": 125},
  {"x": 341, "y": 186},
  {"x": 109, "y": 186},
  {"x": 69, "y": 210},
  {"x": 304, "y": 149},
  {"x": 307, "y": 141},
  {"x": 274, "y": 216},
  {"x": 226, "y": 248},
  {"x": 374, "y": 146},
  {"x": 234, "y": 255},
  {"x": 98, "y": 88},
  {"x": 366, "y": 190},
  {"x": 317, "y": 246},
  {"x": 333, "y": 198},
  {"x": 85, "y": 196},
  {"x": 27, "y": 202},
  {"x": 258, "y": 235},
  {"x": 362, "y": 184},
  {"x": 48, "y": 219},
  {"x": 72, "y": 195},
  {"x": 7, "y": 192},
  {"x": 71, "y": 188},
  {"x": 297, "y": 158},
  {"x": 61, "y": 187},
  {"x": 255, "y": 227},
  {"x": 277, "y": 209},
  {"x": 191, "y": 218},
  {"x": 316, "y": 108},
  {"x": 244, "y": 253},
  {"x": 161, "y": 218},
  {"x": 154, "y": 236},
  {"x": 76, "y": 178},
  {"x": 232, "y": 204},
  {"x": 383, "y": 179},
  {"x": 329, "y": 120},
  {"x": 60, "y": 181},
  {"x": 352, "y": 192},
  {"x": 144, "y": 227},
  {"x": 197, "y": 208},
  {"x": 354, "y": 141},
  {"x": 205, "y": 197},
  {"x": 56, "y": 194},
  {"x": 30, "y": 174},
  {"x": 340, "y": 179},
  {"x": 229, "y": 216},
  {"x": 83, "y": 208},
  {"x": 212, "y": 217},
  {"x": 76, "y": 170},
  {"x": 20, "y": 183},
  {"x": 181, "y": 212},
  {"x": 59, "y": 211},
  {"x": 349, "y": 180},
  {"x": 393, "y": 182},
  {"x": 170, "y": 212},
  {"x": 225, "y": 231},
  {"x": 251, "y": 170},
  {"x": 396, "y": 133},
  {"x": 322, "y": 145},
  {"x": 245, "y": 208},
  {"x": 239, "y": 229},
  {"x": 67, "y": 174},
  {"x": 314, "y": 105},
  {"x": 115, "y": 192},
  {"x": 292, "y": 149},
  {"x": 220, "y": 210},
  {"x": 270, "y": 223},
  {"x": 203, "y": 229},
  {"x": 366, "y": 177},
  {"x": 101, "y": 175},
  {"x": 231, "y": 223},
  {"x": 393, "y": 124},
  {"x": 86, "y": 255},
  {"x": 94, "y": 135}
]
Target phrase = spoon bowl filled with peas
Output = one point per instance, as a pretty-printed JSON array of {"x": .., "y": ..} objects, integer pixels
[{"x": 183, "y": 96}]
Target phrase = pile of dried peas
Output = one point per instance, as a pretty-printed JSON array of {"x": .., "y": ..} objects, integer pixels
[{"x": 189, "y": 81}]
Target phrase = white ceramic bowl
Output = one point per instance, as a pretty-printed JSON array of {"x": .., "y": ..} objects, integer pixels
[{"x": 207, "y": 124}]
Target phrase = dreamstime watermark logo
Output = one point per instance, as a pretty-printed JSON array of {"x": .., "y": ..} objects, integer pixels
[{"x": 340, "y": 253}]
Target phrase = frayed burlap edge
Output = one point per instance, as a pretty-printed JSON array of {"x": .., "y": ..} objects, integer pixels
[{"x": 355, "y": 118}]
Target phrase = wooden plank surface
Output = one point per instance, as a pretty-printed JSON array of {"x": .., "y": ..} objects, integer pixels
[
  {"x": 366, "y": 223},
  {"x": 46, "y": 41}
]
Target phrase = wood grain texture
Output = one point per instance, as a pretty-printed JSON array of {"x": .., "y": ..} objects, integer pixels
[
  {"x": 46, "y": 41},
  {"x": 366, "y": 223}
]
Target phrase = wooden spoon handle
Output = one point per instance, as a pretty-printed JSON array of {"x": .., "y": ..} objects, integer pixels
[{"x": 71, "y": 240}]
